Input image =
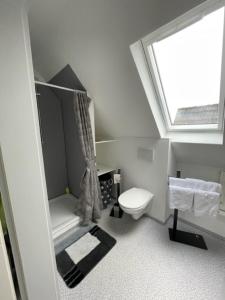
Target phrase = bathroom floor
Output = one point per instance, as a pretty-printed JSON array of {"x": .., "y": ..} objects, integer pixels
[{"x": 145, "y": 264}]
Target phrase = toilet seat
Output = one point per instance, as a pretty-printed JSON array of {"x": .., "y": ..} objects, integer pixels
[{"x": 135, "y": 199}]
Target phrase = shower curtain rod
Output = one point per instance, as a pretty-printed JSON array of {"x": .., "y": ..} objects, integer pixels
[{"x": 59, "y": 87}]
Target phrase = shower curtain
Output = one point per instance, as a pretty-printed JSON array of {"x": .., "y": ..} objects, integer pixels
[{"x": 89, "y": 206}]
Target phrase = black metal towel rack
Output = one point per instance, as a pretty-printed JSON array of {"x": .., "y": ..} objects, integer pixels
[{"x": 188, "y": 238}]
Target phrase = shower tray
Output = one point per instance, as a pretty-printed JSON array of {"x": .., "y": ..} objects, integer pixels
[{"x": 62, "y": 214}]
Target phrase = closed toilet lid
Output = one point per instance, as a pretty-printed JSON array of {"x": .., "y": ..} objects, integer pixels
[{"x": 135, "y": 198}]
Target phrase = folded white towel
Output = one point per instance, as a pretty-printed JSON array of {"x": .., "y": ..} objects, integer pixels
[
  {"x": 180, "y": 198},
  {"x": 178, "y": 182},
  {"x": 214, "y": 187},
  {"x": 194, "y": 180},
  {"x": 199, "y": 184},
  {"x": 206, "y": 203}
]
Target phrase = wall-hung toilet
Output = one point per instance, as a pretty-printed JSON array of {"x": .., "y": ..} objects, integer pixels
[{"x": 135, "y": 202}]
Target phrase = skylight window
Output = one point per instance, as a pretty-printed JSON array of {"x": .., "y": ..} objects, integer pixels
[{"x": 186, "y": 68}]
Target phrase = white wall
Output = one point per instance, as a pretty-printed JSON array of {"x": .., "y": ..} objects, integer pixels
[
  {"x": 203, "y": 172},
  {"x": 137, "y": 171},
  {"x": 172, "y": 163},
  {"x": 171, "y": 172},
  {"x": 205, "y": 155},
  {"x": 94, "y": 38},
  {"x": 22, "y": 155}
]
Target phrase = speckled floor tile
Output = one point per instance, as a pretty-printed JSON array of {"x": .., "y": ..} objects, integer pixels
[{"x": 145, "y": 264}]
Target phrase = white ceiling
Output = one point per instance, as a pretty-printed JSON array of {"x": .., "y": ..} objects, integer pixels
[{"x": 93, "y": 36}]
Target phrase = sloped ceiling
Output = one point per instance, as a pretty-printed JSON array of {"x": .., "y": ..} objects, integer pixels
[{"x": 93, "y": 36}]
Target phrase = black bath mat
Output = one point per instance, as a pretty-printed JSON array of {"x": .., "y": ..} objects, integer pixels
[{"x": 73, "y": 273}]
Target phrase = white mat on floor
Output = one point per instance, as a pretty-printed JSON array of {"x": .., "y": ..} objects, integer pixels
[{"x": 82, "y": 247}]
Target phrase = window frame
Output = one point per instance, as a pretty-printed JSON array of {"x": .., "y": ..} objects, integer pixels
[{"x": 174, "y": 26}]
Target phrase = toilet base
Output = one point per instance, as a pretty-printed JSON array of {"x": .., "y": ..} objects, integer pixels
[{"x": 137, "y": 216}]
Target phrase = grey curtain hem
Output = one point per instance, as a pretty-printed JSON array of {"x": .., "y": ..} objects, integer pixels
[{"x": 89, "y": 203}]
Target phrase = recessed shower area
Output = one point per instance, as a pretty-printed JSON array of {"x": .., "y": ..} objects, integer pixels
[{"x": 62, "y": 153}]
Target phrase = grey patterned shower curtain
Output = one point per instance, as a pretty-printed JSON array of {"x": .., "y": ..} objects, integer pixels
[{"x": 89, "y": 206}]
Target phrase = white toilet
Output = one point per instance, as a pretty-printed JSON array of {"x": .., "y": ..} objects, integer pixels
[{"x": 135, "y": 202}]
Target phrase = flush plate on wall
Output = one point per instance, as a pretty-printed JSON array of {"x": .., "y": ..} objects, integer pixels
[{"x": 146, "y": 154}]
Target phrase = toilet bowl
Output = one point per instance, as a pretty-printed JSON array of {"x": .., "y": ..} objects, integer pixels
[{"x": 135, "y": 202}]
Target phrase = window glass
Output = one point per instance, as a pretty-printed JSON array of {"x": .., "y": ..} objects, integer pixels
[{"x": 189, "y": 67}]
